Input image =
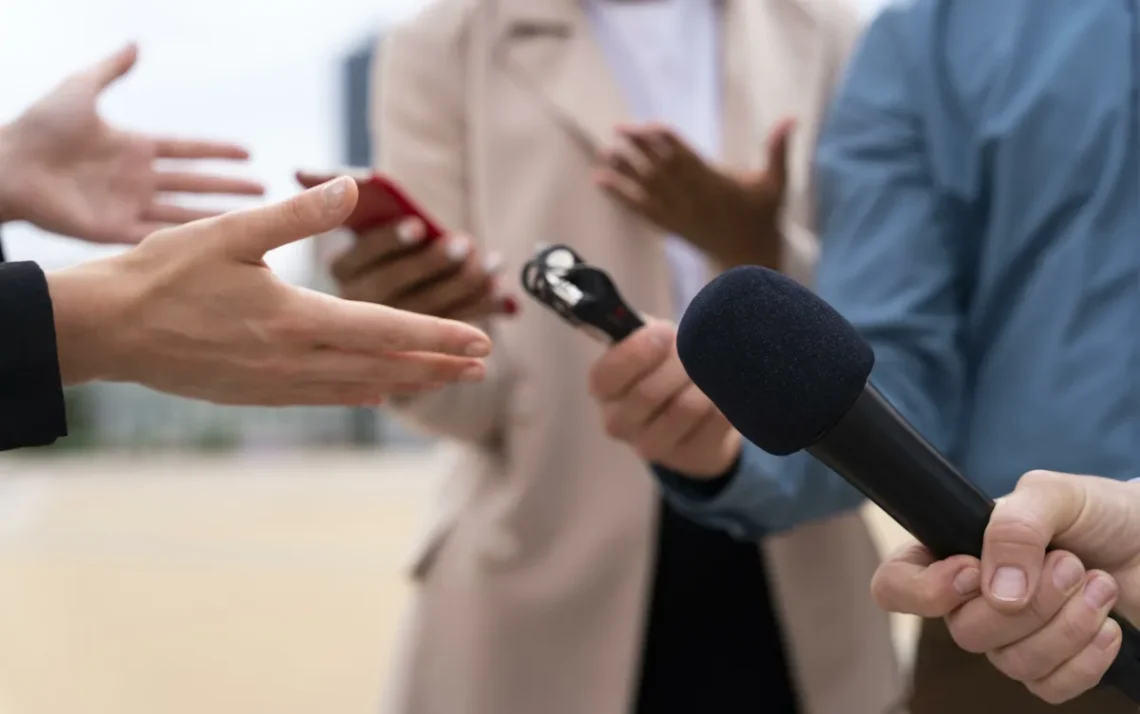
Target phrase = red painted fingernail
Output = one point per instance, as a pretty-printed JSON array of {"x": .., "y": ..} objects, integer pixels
[{"x": 510, "y": 305}]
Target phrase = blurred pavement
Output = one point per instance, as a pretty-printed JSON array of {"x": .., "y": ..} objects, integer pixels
[{"x": 221, "y": 585}]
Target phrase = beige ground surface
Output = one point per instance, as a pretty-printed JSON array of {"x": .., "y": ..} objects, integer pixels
[{"x": 185, "y": 585}]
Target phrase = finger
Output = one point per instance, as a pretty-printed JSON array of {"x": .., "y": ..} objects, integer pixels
[
  {"x": 114, "y": 66},
  {"x": 186, "y": 182},
  {"x": 646, "y": 139},
  {"x": 196, "y": 149},
  {"x": 633, "y": 414},
  {"x": 385, "y": 370},
  {"x": 491, "y": 304},
  {"x": 403, "y": 278},
  {"x": 468, "y": 285},
  {"x": 1021, "y": 527},
  {"x": 1083, "y": 672},
  {"x": 173, "y": 214},
  {"x": 1062, "y": 638},
  {"x": 252, "y": 233},
  {"x": 675, "y": 147},
  {"x": 631, "y": 360},
  {"x": 377, "y": 245},
  {"x": 681, "y": 419},
  {"x": 629, "y": 163},
  {"x": 362, "y": 327},
  {"x": 629, "y": 191},
  {"x": 779, "y": 142},
  {"x": 979, "y": 627},
  {"x": 911, "y": 582}
]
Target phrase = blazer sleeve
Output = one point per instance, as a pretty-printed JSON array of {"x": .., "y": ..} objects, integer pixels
[
  {"x": 420, "y": 138},
  {"x": 31, "y": 392}
]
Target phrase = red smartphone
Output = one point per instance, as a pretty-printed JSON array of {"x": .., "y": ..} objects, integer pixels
[{"x": 382, "y": 201}]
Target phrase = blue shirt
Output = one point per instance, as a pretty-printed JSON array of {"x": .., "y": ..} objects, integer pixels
[{"x": 979, "y": 178}]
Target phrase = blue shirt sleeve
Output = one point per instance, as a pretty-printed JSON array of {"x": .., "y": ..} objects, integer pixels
[{"x": 888, "y": 263}]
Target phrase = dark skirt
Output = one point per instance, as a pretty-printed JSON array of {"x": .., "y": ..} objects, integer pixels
[{"x": 713, "y": 643}]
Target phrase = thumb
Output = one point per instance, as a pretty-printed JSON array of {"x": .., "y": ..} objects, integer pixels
[
  {"x": 779, "y": 141},
  {"x": 1021, "y": 527},
  {"x": 251, "y": 234},
  {"x": 113, "y": 67}
]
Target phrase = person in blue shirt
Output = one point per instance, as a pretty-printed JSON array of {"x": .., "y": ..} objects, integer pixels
[{"x": 979, "y": 216}]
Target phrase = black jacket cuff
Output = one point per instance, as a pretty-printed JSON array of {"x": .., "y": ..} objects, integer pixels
[
  {"x": 32, "y": 409},
  {"x": 696, "y": 489}
]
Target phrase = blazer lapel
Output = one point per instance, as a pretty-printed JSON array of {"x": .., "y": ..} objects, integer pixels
[
  {"x": 547, "y": 46},
  {"x": 774, "y": 62},
  {"x": 740, "y": 140}
]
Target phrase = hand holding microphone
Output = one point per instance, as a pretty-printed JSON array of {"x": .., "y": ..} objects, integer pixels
[
  {"x": 1040, "y": 617},
  {"x": 792, "y": 375},
  {"x": 648, "y": 402}
]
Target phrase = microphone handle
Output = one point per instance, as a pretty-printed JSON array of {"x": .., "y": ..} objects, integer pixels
[{"x": 881, "y": 454}]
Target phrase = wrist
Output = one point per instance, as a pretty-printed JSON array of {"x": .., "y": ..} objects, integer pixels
[{"x": 91, "y": 303}]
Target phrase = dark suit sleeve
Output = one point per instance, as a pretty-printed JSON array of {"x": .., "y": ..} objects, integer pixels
[{"x": 31, "y": 392}]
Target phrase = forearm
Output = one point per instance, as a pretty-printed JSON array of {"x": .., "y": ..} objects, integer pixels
[
  {"x": 764, "y": 494},
  {"x": 31, "y": 392}
]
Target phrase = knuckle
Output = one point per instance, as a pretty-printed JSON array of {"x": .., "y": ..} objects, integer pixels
[
  {"x": 644, "y": 395},
  {"x": 1036, "y": 477},
  {"x": 1018, "y": 663},
  {"x": 1077, "y": 625},
  {"x": 967, "y": 636},
  {"x": 290, "y": 327},
  {"x": 1011, "y": 528},
  {"x": 693, "y": 403},
  {"x": 884, "y": 590}
]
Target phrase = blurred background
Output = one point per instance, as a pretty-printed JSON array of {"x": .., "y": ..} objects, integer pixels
[{"x": 173, "y": 556}]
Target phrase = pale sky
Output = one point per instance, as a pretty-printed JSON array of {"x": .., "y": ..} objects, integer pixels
[{"x": 261, "y": 72}]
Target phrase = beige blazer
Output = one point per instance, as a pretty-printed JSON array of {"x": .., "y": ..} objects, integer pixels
[{"x": 533, "y": 575}]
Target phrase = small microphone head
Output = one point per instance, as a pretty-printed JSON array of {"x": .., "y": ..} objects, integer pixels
[{"x": 781, "y": 364}]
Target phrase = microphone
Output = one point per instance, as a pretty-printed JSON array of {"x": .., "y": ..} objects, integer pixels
[{"x": 791, "y": 374}]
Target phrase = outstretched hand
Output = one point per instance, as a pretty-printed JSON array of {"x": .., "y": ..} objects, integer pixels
[
  {"x": 65, "y": 169},
  {"x": 734, "y": 217},
  {"x": 194, "y": 311}
]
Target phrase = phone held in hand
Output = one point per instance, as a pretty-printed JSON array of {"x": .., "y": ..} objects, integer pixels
[
  {"x": 581, "y": 294},
  {"x": 382, "y": 201}
]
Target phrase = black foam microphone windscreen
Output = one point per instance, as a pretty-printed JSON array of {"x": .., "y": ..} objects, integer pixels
[{"x": 780, "y": 363}]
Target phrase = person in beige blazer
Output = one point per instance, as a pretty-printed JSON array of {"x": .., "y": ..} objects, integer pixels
[{"x": 534, "y": 577}]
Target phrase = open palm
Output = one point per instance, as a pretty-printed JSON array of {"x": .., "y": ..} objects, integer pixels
[{"x": 68, "y": 171}]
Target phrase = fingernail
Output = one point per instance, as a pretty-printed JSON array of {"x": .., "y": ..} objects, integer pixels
[
  {"x": 1100, "y": 591},
  {"x": 458, "y": 248},
  {"x": 510, "y": 306},
  {"x": 1068, "y": 574},
  {"x": 334, "y": 192},
  {"x": 1009, "y": 584},
  {"x": 1107, "y": 635},
  {"x": 662, "y": 338},
  {"x": 493, "y": 263},
  {"x": 474, "y": 373},
  {"x": 410, "y": 231},
  {"x": 481, "y": 348},
  {"x": 967, "y": 581}
]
